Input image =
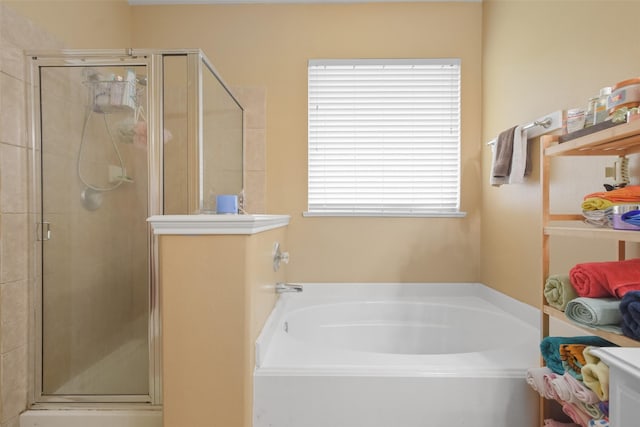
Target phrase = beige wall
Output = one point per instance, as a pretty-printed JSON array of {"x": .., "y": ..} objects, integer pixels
[
  {"x": 539, "y": 57},
  {"x": 268, "y": 46},
  {"x": 79, "y": 24}
]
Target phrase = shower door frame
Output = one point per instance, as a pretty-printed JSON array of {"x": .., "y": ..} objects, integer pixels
[{"x": 152, "y": 60}]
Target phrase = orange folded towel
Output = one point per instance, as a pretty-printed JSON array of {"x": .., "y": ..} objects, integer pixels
[
  {"x": 572, "y": 359},
  {"x": 603, "y": 279},
  {"x": 628, "y": 194}
]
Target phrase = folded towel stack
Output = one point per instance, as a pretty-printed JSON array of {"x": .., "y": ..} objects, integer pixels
[
  {"x": 597, "y": 313},
  {"x": 550, "y": 349},
  {"x": 574, "y": 377},
  {"x": 597, "y": 211},
  {"x": 599, "y": 218},
  {"x": 606, "y": 279}
]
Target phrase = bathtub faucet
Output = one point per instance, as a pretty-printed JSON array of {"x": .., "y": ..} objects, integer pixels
[{"x": 288, "y": 287}]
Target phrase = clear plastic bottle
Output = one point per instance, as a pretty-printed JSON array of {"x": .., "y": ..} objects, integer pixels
[
  {"x": 591, "y": 112},
  {"x": 601, "y": 112}
]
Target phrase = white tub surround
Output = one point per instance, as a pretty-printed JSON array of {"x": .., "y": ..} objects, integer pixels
[
  {"x": 216, "y": 224},
  {"x": 351, "y": 355}
]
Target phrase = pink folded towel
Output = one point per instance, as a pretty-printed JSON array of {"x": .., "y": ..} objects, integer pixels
[
  {"x": 563, "y": 390},
  {"x": 604, "y": 279},
  {"x": 553, "y": 423},
  {"x": 540, "y": 380},
  {"x": 576, "y": 414},
  {"x": 580, "y": 391}
]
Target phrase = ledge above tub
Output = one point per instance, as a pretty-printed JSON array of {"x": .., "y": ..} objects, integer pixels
[{"x": 215, "y": 224}]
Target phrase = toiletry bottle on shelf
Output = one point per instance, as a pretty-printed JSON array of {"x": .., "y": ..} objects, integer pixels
[
  {"x": 601, "y": 106},
  {"x": 591, "y": 112}
]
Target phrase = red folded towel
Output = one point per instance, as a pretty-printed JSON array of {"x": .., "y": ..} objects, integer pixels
[{"x": 603, "y": 279}]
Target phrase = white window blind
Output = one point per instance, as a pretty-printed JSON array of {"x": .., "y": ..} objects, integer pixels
[{"x": 384, "y": 137}]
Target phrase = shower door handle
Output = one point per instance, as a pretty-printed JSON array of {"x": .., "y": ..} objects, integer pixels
[{"x": 44, "y": 231}]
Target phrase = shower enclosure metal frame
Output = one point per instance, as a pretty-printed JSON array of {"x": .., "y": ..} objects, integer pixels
[{"x": 197, "y": 64}]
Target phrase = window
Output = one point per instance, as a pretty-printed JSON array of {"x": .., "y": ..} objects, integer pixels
[{"x": 384, "y": 137}]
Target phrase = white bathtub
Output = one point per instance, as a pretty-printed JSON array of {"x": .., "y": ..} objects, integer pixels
[{"x": 392, "y": 355}]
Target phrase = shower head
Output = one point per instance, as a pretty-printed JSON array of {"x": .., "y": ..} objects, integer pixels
[{"x": 91, "y": 199}]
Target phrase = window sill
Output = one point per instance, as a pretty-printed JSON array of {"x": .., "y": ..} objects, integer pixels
[{"x": 386, "y": 215}]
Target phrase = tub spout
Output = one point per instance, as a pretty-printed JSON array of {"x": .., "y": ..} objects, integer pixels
[{"x": 288, "y": 287}]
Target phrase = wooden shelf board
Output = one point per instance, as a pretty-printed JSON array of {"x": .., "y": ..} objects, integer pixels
[
  {"x": 580, "y": 229},
  {"x": 615, "y": 141},
  {"x": 620, "y": 340}
]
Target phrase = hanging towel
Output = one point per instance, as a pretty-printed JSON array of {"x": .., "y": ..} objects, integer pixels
[
  {"x": 502, "y": 157},
  {"x": 519, "y": 157},
  {"x": 550, "y": 348},
  {"x": 558, "y": 291},
  {"x": 595, "y": 375},
  {"x": 598, "y": 313},
  {"x": 606, "y": 279},
  {"x": 630, "y": 310},
  {"x": 572, "y": 359},
  {"x": 581, "y": 391}
]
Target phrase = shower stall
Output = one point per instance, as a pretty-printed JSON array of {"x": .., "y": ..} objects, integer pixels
[{"x": 117, "y": 136}]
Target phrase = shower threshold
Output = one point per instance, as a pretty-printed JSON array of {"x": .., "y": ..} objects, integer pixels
[{"x": 149, "y": 417}]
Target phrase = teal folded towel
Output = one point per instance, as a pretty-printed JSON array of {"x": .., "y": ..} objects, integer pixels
[
  {"x": 558, "y": 291},
  {"x": 597, "y": 313},
  {"x": 550, "y": 349}
]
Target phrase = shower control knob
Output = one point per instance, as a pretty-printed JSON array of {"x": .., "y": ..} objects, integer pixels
[{"x": 279, "y": 256}]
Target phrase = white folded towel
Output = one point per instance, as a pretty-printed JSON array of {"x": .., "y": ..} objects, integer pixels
[
  {"x": 509, "y": 161},
  {"x": 519, "y": 156}
]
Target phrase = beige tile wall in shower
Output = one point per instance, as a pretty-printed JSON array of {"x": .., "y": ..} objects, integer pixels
[{"x": 16, "y": 35}]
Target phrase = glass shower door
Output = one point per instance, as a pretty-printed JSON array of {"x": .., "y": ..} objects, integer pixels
[{"x": 95, "y": 253}]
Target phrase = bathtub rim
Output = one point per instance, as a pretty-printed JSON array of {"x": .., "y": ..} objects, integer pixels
[{"x": 524, "y": 312}]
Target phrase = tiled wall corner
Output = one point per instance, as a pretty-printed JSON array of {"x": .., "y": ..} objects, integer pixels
[{"x": 17, "y": 35}]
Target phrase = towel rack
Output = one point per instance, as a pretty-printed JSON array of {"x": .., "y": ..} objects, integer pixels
[{"x": 541, "y": 126}]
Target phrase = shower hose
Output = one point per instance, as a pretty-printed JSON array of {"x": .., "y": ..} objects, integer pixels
[{"x": 115, "y": 148}]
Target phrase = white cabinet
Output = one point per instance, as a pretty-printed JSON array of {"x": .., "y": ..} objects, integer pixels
[{"x": 624, "y": 384}]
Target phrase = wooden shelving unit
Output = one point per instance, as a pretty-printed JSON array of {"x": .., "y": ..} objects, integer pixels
[{"x": 615, "y": 141}]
